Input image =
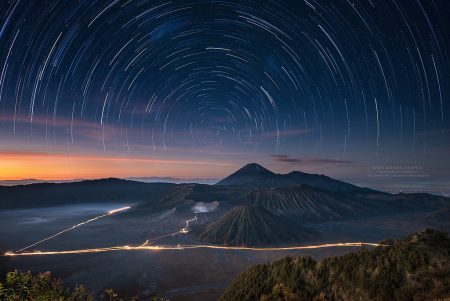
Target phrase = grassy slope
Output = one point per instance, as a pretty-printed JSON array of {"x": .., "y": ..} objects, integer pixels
[{"x": 415, "y": 268}]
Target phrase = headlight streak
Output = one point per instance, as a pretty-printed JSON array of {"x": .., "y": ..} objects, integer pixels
[
  {"x": 147, "y": 244},
  {"x": 144, "y": 247},
  {"x": 185, "y": 230},
  {"x": 111, "y": 212}
]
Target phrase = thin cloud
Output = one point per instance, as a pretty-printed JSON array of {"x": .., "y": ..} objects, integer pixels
[{"x": 288, "y": 159}]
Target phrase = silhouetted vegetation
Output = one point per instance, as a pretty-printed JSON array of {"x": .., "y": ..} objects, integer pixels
[
  {"x": 416, "y": 268},
  {"x": 43, "y": 287},
  {"x": 3, "y": 266}
]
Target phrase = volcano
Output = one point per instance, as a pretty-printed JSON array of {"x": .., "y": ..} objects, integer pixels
[
  {"x": 255, "y": 175},
  {"x": 254, "y": 226}
]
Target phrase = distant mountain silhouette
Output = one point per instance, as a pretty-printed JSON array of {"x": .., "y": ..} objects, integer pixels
[
  {"x": 255, "y": 175},
  {"x": 89, "y": 191},
  {"x": 251, "y": 226},
  {"x": 255, "y": 205}
]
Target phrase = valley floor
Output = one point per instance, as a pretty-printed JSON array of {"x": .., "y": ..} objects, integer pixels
[{"x": 200, "y": 274}]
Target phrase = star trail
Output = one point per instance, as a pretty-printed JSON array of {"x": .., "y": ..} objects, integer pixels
[{"x": 172, "y": 85}]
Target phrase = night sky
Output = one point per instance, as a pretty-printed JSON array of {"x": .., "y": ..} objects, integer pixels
[{"x": 355, "y": 89}]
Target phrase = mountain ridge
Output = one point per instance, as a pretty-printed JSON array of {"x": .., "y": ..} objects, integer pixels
[
  {"x": 255, "y": 175},
  {"x": 253, "y": 226}
]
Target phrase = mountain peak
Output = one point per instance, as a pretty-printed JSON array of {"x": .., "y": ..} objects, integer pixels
[
  {"x": 254, "y": 168},
  {"x": 250, "y": 173},
  {"x": 256, "y": 175}
]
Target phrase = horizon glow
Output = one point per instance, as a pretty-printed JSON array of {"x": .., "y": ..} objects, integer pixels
[{"x": 196, "y": 89}]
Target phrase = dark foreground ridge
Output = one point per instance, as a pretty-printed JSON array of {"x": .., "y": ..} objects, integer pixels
[
  {"x": 415, "y": 268},
  {"x": 24, "y": 286}
]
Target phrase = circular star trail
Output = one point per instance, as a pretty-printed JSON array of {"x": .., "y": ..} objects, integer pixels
[{"x": 269, "y": 76}]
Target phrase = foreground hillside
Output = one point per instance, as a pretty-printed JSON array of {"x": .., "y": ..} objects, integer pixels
[{"x": 415, "y": 268}]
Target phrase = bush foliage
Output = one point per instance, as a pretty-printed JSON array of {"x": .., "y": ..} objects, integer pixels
[
  {"x": 43, "y": 287},
  {"x": 415, "y": 268}
]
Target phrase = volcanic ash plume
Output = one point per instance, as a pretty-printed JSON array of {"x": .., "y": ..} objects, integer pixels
[{"x": 202, "y": 207}]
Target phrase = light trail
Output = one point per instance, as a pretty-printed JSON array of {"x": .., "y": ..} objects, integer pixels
[
  {"x": 111, "y": 212},
  {"x": 145, "y": 246},
  {"x": 185, "y": 230}
]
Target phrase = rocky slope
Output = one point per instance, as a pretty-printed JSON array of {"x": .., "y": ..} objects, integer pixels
[{"x": 253, "y": 226}]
